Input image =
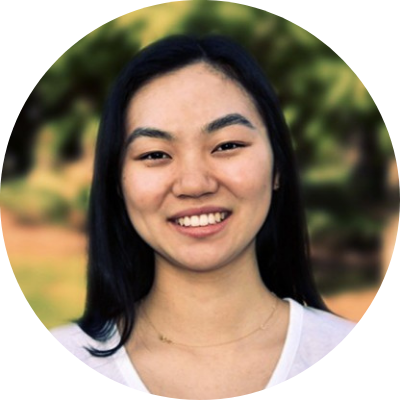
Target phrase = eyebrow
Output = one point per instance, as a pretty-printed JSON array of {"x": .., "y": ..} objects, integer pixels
[
  {"x": 148, "y": 132},
  {"x": 219, "y": 123},
  {"x": 227, "y": 120}
]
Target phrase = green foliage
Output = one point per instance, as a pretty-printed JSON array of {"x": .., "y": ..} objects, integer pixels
[
  {"x": 82, "y": 199},
  {"x": 62, "y": 288},
  {"x": 33, "y": 205},
  {"x": 337, "y": 130},
  {"x": 342, "y": 145}
]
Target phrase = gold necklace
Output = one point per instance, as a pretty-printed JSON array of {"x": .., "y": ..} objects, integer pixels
[{"x": 263, "y": 327}]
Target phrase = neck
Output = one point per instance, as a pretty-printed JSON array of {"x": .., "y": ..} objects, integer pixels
[{"x": 207, "y": 307}]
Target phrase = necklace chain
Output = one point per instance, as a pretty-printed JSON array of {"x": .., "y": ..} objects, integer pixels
[{"x": 263, "y": 327}]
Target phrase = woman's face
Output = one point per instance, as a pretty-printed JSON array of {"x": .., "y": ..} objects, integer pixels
[{"x": 197, "y": 173}]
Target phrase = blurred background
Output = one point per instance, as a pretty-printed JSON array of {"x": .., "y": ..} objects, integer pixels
[{"x": 348, "y": 169}]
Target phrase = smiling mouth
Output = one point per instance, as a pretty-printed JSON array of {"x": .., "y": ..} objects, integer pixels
[{"x": 202, "y": 219}]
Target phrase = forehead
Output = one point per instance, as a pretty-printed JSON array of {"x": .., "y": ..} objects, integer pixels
[{"x": 191, "y": 96}]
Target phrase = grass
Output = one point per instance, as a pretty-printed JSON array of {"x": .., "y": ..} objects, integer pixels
[{"x": 55, "y": 289}]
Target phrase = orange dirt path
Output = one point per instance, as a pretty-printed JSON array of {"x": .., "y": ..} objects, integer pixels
[{"x": 36, "y": 241}]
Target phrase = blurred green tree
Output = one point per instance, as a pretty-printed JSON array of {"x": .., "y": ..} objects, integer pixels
[{"x": 341, "y": 142}]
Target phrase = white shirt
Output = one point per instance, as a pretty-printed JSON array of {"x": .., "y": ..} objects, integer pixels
[{"x": 311, "y": 335}]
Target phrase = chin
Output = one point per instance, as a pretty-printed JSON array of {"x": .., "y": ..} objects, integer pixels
[
  {"x": 198, "y": 263},
  {"x": 203, "y": 268}
]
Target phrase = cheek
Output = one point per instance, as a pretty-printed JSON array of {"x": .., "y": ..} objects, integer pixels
[
  {"x": 142, "y": 191},
  {"x": 252, "y": 177}
]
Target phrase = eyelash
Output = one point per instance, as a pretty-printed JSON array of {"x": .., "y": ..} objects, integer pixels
[
  {"x": 230, "y": 144},
  {"x": 155, "y": 155},
  {"x": 160, "y": 155}
]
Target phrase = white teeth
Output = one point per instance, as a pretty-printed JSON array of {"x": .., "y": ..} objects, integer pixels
[
  {"x": 202, "y": 220},
  {"x": 194, "y": 220},
  {"x": 211, "y": 219}
]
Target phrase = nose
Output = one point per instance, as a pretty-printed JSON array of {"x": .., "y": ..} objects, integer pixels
[{"x": 194, "y": 179}]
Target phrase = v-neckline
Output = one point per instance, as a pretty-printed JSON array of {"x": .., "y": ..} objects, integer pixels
[{"x": 281, "y": 370}]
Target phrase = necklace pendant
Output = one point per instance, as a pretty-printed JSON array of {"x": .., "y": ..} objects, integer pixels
[{"x": 165, "y": 339}]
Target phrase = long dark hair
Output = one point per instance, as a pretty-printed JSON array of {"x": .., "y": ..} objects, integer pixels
[{"x": 121, "y": 264}]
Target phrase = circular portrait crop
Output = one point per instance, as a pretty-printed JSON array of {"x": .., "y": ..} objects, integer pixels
[{"x": 201, "y": 208}]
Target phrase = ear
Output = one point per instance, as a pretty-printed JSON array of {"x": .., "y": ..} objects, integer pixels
[{"x": 276, "y": 181}]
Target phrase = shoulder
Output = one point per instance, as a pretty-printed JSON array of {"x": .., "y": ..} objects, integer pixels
[
  {"x": 116, "y": 367},
  {"x": 77, "y": 342},
  {"x": 325, "y": 328},
  {"x": 74, "y": 339},
  {"x": 318, "y": 333}
]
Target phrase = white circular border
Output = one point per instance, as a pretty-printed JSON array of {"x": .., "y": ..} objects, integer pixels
[{"x": 35, "y": 34}]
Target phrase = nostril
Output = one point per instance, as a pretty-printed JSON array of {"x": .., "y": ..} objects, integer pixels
[{"x": 195, "y": 185}]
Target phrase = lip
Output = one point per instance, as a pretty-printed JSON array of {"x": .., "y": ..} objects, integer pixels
[{"x": 198, "y": 211}]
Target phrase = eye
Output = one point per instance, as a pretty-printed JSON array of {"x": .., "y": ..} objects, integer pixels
[
  {"x": 229, "y": 146},
  {"x": 155, "y": 155}
]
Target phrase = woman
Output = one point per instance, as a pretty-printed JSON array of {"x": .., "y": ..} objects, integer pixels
[{"x": 199, "y": 282}]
